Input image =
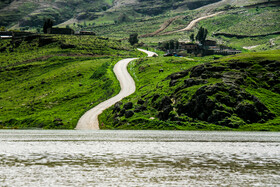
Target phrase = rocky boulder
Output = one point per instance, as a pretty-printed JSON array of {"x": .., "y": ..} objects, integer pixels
[
  {"x": 128, "y": 114},
  {"x": 197, "y": 71},
  {"x": 128, "y": 105},
  {"x": 165, "y": 102},
  {"x": 140, "y": 108},
  {"x": 140, "y": 102},
  {"x": 164, "y": 114},
  {"x": 117, "y": 107},
  {"x": 248, "y": 112}
]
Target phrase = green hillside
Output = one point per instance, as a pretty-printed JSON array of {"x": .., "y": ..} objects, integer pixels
[
  {"x": 119, "y": 18},
  {"x": 252, "y": 19},
  {"x": 239, "y": 92},
  {"x": 49, "y": 82},
  {"x": 31, "y": 13},
  {"x": 245, "y": 26}
]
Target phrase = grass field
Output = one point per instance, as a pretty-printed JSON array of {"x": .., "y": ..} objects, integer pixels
[{"x": 51, "y": 87}]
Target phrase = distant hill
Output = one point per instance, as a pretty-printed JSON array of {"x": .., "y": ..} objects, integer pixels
[
  {"x": 31, "y": 13},
  {"x": 119, "y": 18}
]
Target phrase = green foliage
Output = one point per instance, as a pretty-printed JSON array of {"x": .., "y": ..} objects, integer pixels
[
  {"x": 101, "y": 71},
  {"x": 170, "y": 45},
  {"x": 192, "y": 37},
  {"x": 122, "y": 18},
  {"x": 2, "y": 28},
  {"x": 47, "y": 25},
  {"x": 133, "y": 39},
  {"x": 201, "y": 35}
]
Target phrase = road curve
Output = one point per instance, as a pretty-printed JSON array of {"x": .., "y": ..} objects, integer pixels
[
  {"x": 89, "y": 121},
  {"x": 149, "y": 53}
]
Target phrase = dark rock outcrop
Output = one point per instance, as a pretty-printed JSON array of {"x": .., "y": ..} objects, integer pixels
[
  {"x": 128, "y": 114},
  {"x": 117, "y": 107},
  {"x": 140, "y": 102},
  {"x": 226, "y": 101},
  {"x": 140, "y": 108},
  {"x": 128, "y": 105},
  {"x": 164, "y": 114}
]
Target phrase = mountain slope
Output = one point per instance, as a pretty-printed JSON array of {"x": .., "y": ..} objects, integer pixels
[{"x": 32, "y": 13}]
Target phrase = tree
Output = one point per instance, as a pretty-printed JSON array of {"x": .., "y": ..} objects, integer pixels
[
  {"x": 201, "y": 35},
  {"x": 133, "y": 39},
  {"x": 171, "y": 44},
  {"x": 166, "y": 45},
  {"x": 227, "y": 7},
  {"x": 122, "y": 18},
  {"x": 177, "y": 44},
  {"x": 104, "y": 8},
  {"x": 192, "y": 37},
  {"x": 2, "y": 28},
  {"x": 48, "y": 24}
]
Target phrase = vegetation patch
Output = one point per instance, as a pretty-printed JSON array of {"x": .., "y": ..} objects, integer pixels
[{"x": 237, "y": 92}]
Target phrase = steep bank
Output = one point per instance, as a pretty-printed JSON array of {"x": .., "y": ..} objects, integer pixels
[{"x": 239, "y": 93}]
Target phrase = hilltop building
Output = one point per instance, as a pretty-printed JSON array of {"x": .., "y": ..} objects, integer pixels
[
  {"x": 188, "y": 46},
  {"x": 210, "y": 47},
  {"x": 210, "y": 43}
]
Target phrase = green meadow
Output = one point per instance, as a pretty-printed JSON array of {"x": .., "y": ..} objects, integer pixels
[{"x": 50, "y": 87}]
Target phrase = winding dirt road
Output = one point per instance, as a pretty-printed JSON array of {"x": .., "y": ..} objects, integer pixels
[
  {"x": 89, "y": 121},
  {"x": 192, "y": 23}
]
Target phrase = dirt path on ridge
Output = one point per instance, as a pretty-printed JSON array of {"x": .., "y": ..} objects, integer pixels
[
  {"x": 89, "y": 121},
  {"x": 166, "y": 24},
  {"x": 192, "y": 23}
]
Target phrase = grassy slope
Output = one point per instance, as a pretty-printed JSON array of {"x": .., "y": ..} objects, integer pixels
[
  {"x": 32, "y": 13},
  {"x": 251, "y": 21},
  {"x": 151, "y": 83},
  {"x": 41, "y": 84},
  {"x": 241, "y": 20},
  {"x": 245, "y": 21}
]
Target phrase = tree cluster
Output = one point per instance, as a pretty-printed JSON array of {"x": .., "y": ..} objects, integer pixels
[
  {"x": 47, "y": 24},
  {"x": 201, "y": 36},
  {"x": 133, "y": 39},
  {"x": 171, "y": 45},
  {"x": 122, "y": 18}
]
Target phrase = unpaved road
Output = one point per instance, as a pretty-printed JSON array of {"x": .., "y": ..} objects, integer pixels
[
  {"x": 166, "y": 24},
  {"x": 89, "y": 121},
  {"x": 192, "y": 23}
]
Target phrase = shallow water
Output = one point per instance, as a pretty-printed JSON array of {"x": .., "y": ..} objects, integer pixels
[{"x": 139, "y": 158}]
